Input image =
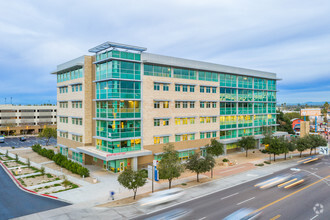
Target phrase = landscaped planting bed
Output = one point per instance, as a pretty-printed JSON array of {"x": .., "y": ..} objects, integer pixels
[
  {"x": 14, "y": 164},
  {"x": 25, "y": 170},
  {"x": 59, "y": 187},
  {"x": 39, "y": 179}
]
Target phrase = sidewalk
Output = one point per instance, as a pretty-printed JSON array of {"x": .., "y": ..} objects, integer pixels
[{"x": 85, "y": 210}]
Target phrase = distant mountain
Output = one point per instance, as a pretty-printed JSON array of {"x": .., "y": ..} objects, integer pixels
[{"x": 304, "y": 103}]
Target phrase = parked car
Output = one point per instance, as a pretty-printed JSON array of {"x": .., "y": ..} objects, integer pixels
[{"x": 22, "y": 138}]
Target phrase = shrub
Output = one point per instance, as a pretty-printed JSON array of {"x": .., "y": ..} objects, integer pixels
[
  {"x": 16, "y": 157},
  {"x": 49, "y": 175},
  {"x": 57, "y": 184},
  {"x": 267, "y": 162},
  {"x": 42, "y": 170},
  {"x": 7, "y": 153},
  {"x": 259, "y": 164},
  {"x": 61, "y": 160},
  {"x": 225, "y": 160}
]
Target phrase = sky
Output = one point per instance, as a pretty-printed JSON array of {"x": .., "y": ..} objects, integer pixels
[{"x": 287, "y": 37}]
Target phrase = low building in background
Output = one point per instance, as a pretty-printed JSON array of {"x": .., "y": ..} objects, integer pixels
[
  {"x": 26, "y": 119},
  {"x": 119, "y": 107}
]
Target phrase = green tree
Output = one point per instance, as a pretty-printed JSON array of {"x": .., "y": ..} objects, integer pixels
[
  {"x": 276, "y": 146},
  {"x": 132, "y": 180},
  {"x": 316, "y": 141},
  {"x": 48, "y": 133},
  {"x": 215, "y": 149},
  {"x": 199, "y": 164},
  {"x": 290, "y": 147},
  {"x": 247, "y": 143},
  {"x": 303, "y": 144},
  {"x": 284, "y": 123},
  {"x": 170, "y": 166}
]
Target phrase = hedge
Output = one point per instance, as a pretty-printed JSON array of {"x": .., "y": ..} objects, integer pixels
[{"x": 61, "y": 160}]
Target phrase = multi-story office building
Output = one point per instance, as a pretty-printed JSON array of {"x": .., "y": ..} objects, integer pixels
[
  {"x": 135, "y": 102},
  {"x": 26, "y": 119}
]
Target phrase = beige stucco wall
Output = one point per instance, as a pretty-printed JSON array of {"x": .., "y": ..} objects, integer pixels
[{"x": 149, "y": 112}]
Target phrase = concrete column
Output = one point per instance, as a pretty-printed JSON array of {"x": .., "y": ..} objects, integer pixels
[
  {"x": 225, "y": 149},
  {"x": 258, "y": 143},
  {"x": 134, "y": 163}
]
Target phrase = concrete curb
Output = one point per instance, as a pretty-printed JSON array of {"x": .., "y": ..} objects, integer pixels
[{"x": 19, "y": 185}]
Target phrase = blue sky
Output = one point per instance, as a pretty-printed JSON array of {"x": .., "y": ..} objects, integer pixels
[{"x": 290, "y": 38}]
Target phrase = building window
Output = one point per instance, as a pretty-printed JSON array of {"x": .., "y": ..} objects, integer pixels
[
  {"x": 192, "y": 120},
  {"x": 202, "y": 120},
  {"x": 177, "y": 121},
  {"x": 177, "y": 104},
  {"x": 156, "y": 86},
  {"x": 208, "y": 89},
  {"x": 166, "y": 104},
  {"x": 156, "y": 122},
  {"x": 214, "y": 119},
  {"x": 76, "y": 104},
  {"x": 214, "y": 134},
  {"x": 192, "y": 104},
  {"x": 77, "y": 138},
  {"x": 156, "y": 105},
  {"x": 165, "y": 87},
  {"x": 177, "y": 138},
  {"x": 184, "y": 137},
  {"x": 214, "y": 89},
  {"x": 202, "y": 104},
  {"x": 192, "y": 88},
  {"x": 156, "y": 140},
  {"x": 184, "y": 88},
  {"x": 177, "y": 88},
  {"x": 208, "y": 105},
  {"x": 166, "y": 140},
  {"x": 208, "y": 134},
  {"x": 214, "y": 104},
  {"x": 184, "y": 104},
  {"x": 201, "y": 89},
  {"x": 166, "y": 122},
  {"x": 191, "y": 136},
  {"x": 202, "y": 135}
]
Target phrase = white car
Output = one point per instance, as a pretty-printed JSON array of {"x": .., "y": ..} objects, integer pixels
[
  {"x": 161, "y": 197},
  {"x": 2, "y": 139}
]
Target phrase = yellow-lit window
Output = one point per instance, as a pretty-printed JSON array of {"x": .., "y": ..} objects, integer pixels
[
  {"x": 165, "y": 104},
  {"x": 156, "y": 140},
  {"x": 184, "y": 121},
  {"x": 208, "y": 120},
  {"x": 184, "y": 137},
  {"x": 177, "y": 121},
  {"x": 202, "y": 120},
  {"x": 192, "y": 120}
]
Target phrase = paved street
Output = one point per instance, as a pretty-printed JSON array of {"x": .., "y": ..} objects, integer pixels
[
  {"x": 14, "y": 202},
  {"x": 15, "y": 142},
  {"x": 294, "y": 203}
]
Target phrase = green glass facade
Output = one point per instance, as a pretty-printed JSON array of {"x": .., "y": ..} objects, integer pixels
[
  {"x": 248, "y": 103},
  {"x": 118, "y": 104}
]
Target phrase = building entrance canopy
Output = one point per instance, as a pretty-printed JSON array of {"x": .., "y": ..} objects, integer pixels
[{"x": 105, "y": 156}]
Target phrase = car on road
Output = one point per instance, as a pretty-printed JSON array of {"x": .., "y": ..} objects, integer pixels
[
  {"x": 22, "y": 138},
  {"x": 2, "y": 139},
  {"x": 244, "y": 214},
  {"x": 174, "y": 214},
  {"x": 161, "y": 197}
]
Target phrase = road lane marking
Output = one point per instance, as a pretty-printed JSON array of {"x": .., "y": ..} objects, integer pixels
[
  {"x": 202, "y": 218},
  {"x": 229, "y": 196},
  {"x": 275, "y": 217},
  {"x": 314, "y": 217},
  {"x": 287, "y": 182},
  {"x": 245, "y": 201},
  {"x": 291, "y": 194}
]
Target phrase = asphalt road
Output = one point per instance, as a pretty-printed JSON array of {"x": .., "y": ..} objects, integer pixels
[
  {"x": 294, "y": 203},
  {"x": 15, "y": 142},
  {"x": 14, "y": 202}
]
